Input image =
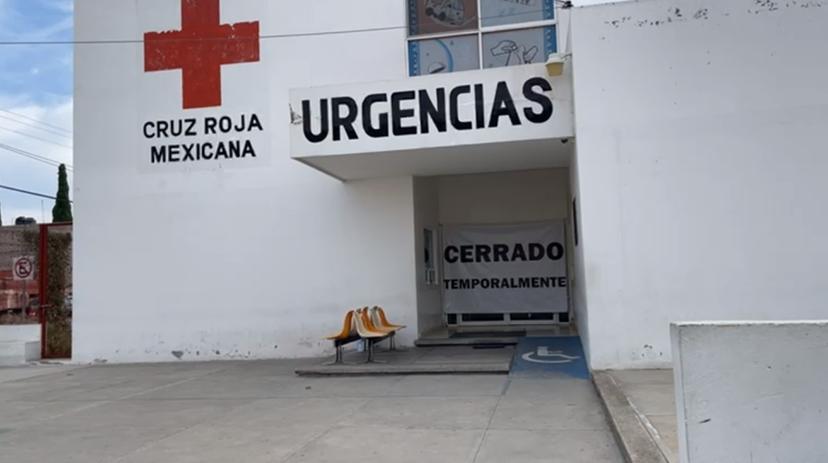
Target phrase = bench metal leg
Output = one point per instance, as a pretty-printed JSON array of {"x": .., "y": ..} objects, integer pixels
[
  {"x": 338, "y": 358},
  {"x": 371, "y": 358},
  {"x": 392, "y": 344}
]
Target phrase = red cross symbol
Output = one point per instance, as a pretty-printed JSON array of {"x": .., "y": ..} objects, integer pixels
[{"x": 199, "y": 49}]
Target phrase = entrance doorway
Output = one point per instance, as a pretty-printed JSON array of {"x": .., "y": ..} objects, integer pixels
[
  {"x": 504, "y": 273},
  {"x": 495, "y": 252}
]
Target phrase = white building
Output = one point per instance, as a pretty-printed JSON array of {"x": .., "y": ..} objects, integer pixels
[{"x": 221, "y": 213}]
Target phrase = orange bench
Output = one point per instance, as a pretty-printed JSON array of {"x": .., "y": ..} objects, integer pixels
[
  {"x": 379, "y": 319},
  {"x": 370, "y": 325},
  {"x": 346, "y": 335}
]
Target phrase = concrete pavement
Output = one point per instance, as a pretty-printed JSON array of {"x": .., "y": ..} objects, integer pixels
[
  {"x": 262, "y": 412},
  {"x": 641, "y": 405}
]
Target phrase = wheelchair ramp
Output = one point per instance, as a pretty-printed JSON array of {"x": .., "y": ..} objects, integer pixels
[{"x": 550, "y": 357}]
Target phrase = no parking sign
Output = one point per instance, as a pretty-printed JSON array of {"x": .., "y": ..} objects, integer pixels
[{"x": 23, "y": 268}]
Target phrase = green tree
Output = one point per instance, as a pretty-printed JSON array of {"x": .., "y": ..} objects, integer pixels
[{"x": 62, "y": 212}]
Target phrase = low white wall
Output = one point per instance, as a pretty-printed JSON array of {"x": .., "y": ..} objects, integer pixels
[
  {"x": 10, "y": 333},
  {"x": 751, "y": 392},
  {"x": 19, "y": 344}
]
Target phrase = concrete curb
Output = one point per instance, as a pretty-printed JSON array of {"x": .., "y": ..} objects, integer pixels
[{"x": 635, "y": 442}]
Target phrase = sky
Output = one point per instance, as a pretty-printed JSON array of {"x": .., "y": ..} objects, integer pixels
[{"x": 35, "y": 82}]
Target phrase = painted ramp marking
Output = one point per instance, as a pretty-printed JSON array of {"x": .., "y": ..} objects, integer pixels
[
  {"x": 550, "y": 356},
  {"x": 544, "y": 355}
]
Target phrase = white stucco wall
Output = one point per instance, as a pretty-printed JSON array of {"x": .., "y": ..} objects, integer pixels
[
  {"x": 751, "y": 392},
  {"x": 701, "y": 140},
  {"x": 234, "y": 260},
  {"x": 504, "y": 197},
  {"x": 429, "y": 299},
  {"x": 577, "y": 286}
]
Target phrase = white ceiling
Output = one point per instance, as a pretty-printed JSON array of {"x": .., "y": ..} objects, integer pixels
[{"x": 466, "y": 159}]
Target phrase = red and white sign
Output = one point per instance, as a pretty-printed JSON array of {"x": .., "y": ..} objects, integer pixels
[
  {"x": 204, "y": 102},
  {"x": 23, "y": 268}
]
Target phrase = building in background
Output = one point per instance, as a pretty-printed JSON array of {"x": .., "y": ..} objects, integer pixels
[
  {"x": 18, "y": 286},
  {"x": 246, "y": 171}
]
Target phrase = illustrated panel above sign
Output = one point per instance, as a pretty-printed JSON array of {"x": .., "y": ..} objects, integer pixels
[
  {"x": 448, "y": 54},
  {"x": 503, "y": 12},
  {"x": 440, "y": 16},
  {"x": 520, "y": 46}
]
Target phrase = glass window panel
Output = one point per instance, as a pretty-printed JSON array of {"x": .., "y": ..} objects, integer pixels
[
  {"x": 522, "y": 46},
  {"x": 500, "y": 12},
  {"x": 440, "y": 16},
  {"x": 449, "y": 54}
]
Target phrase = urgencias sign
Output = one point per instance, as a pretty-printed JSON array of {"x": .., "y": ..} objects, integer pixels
[
  {"x": 489, "y": 106},
  {"x": 382, "y": 114}
]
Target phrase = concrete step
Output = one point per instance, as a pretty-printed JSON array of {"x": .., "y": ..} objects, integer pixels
[
  {"x": 634, "y": 439},
  {"x": 467, "y": 341},
  {"x": 377, "y": 369},
  {"x": 451, "y": 360}
]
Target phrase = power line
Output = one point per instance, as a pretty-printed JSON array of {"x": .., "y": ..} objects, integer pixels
[
  {"x": 36, "y": 121},
  {"x": 27, "y": 192},
  {"x": 134, "y": 41},
  {"x": 33, "y": 156},
  {"x": 34, "y": 137},
  {"x": 35, "y": 126},
  {"x": 562, "y": 3}
]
